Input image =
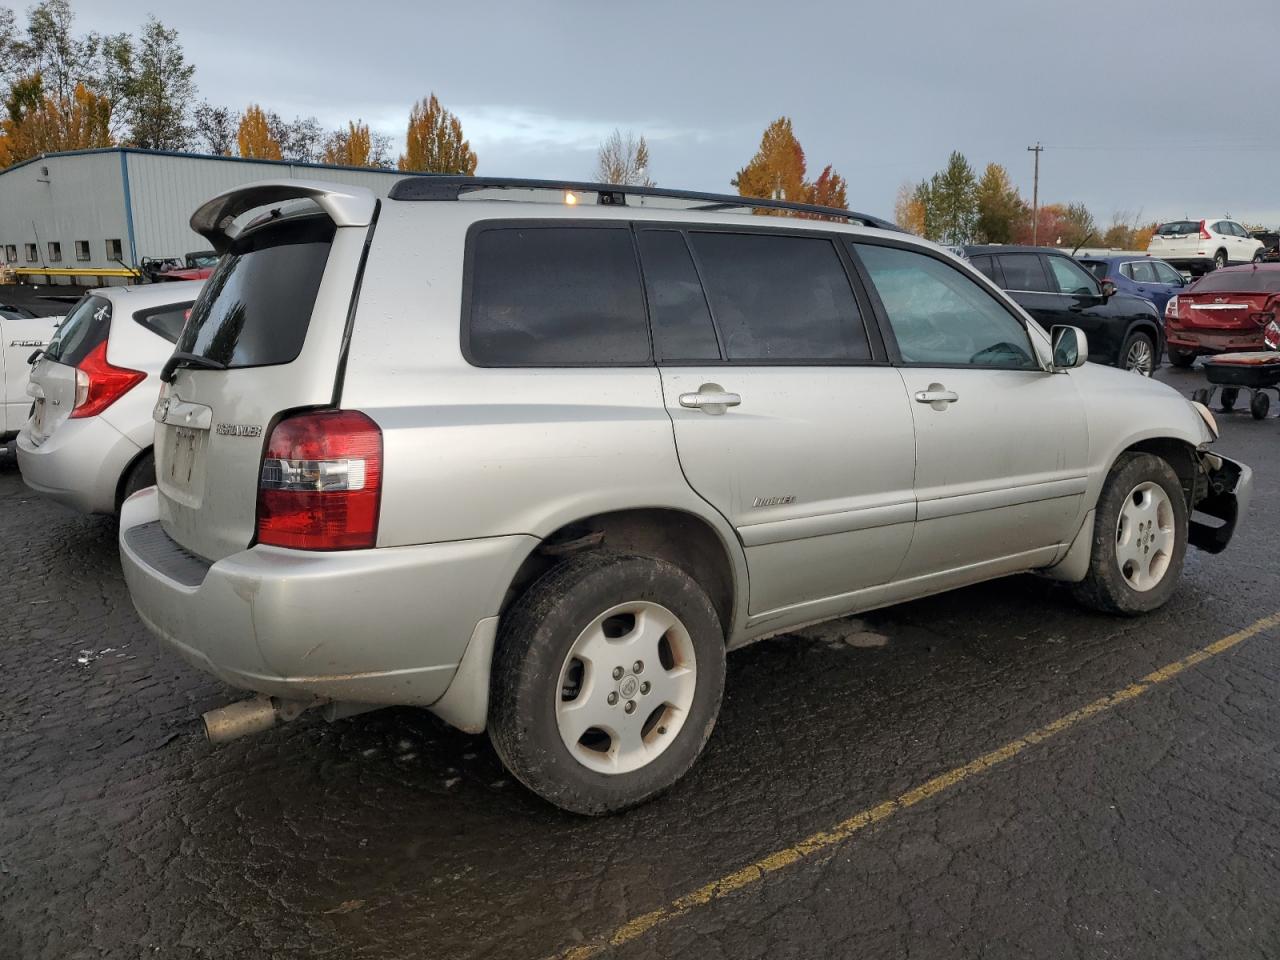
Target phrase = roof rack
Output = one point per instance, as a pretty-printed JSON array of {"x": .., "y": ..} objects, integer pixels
[{"x": 447, "y": 187}]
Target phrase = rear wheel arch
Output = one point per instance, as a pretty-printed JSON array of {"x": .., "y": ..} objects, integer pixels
[
  {"x": 677, "y": 536},
  {"x": 130, "y": 477}
]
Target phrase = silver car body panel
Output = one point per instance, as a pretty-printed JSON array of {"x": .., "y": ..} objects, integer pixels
[
  {"x": 80, "y": 462},
  {"x": 830, "y": 489}
]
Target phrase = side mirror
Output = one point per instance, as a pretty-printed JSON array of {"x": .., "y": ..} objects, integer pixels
[
  {"x": 1070, "y": 348},
  {"x": 1108, "y": 289}
]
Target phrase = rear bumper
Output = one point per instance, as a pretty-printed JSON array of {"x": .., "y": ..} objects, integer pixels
[
  {"x": 1203, "y": 342},
  {"x": 80, "y": 464},
  {"x": 382, "y": 626},
  {"x": 1227, "y": 489}
]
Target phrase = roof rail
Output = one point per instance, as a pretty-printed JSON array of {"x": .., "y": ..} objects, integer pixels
[{"x": 448, "y": 187}]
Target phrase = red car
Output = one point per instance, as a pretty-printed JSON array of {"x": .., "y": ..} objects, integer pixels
[{"x": 1224, "y": 311}]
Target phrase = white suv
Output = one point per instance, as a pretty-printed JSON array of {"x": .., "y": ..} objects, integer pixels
[
  {"x": 537, "y": 465},
  {"x": 1201, "y": 246}
]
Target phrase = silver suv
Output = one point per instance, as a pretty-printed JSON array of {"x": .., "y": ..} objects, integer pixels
[{"x": 535, "y": 455}]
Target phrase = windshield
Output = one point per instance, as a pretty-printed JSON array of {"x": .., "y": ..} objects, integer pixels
[
  {"x": 86, "y": 326},
  {"x": 256, "y": 308},
  {"x": 1179, "y": 228},
  {"x": 1252, "y": 281}
]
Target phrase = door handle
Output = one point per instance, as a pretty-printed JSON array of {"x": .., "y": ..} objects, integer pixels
[
  {"x": 710, "y": 398},
  {"x": 937, "y": 396}
]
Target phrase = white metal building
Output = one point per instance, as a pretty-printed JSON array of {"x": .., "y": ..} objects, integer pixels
[{"x": 88, "y": 210}]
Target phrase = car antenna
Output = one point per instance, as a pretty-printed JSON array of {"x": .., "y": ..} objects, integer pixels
[{"x": 1087, "y": 237}]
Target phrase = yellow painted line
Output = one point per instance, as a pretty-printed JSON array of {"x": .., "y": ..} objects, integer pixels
[{"x": 824, "y": 840}]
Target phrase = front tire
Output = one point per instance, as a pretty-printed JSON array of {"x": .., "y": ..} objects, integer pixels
[
  {"x": 1139, "y": 538},
  {"x": 607, "y": 680},
  {"x": 1138, "y": 354}
]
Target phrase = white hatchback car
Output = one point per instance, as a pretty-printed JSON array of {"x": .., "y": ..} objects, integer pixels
[
  {"x": 88, "y": 440},
  {"x": 1206, "y": 245}
]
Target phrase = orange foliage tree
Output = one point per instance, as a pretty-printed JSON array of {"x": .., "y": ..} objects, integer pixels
[
  {"x": 777, "y": 172},
  {"x": 37, "y": 122},
  {"x": 434, "y": 142},
  {"x": 351, "y": 147},
  {"x": 908, "y": 209},
  {"x": 254, "y": 136}
]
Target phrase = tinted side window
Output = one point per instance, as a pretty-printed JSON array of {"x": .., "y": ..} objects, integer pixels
[
  {"x": 678, "y": 312},
  {"x": 1024, "y": 271},
  {"x": 985, "y": 266},
  {"x": 941, "y": 316},
  {"x": 167, "y": 321},
  {"x": 780, "y": 298},
  {"x": 548, "y": 296}
]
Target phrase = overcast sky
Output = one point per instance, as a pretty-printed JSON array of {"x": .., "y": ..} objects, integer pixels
[{"x": 1164, "y": 107}]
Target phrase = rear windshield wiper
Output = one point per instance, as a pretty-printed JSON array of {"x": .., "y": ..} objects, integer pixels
[{"x": 183, "y": 359}]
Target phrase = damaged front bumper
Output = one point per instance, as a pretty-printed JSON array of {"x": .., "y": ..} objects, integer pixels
[{"x": 1222, "y": 491}]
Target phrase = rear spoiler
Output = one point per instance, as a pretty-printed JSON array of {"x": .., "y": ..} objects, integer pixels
[{"x": 346, "y": 206}]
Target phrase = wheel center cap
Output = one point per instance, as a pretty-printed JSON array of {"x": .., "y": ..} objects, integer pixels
[{"x": 628, "y": 686}]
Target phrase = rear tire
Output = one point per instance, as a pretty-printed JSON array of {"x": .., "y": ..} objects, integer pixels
[
  {"x": 579, "y": 633},
  {"x": 1180, "y": 358},
  {"x": 140, "y": 476},
  {"x": 1139, "y": 538},
  {"x": 1219, "y": 259}
]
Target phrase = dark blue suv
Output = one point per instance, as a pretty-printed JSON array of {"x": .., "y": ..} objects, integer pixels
[{"x": 1140, "y": 276}]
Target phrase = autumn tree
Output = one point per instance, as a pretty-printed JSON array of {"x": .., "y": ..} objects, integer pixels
[
  {"x": 254, "y": 135},
  {"x": 777, "y": 172},
  {"x": 36, "y": 122},
  {"x": 301, "y": 139},
  {"x": 623, "y": 160},
  {"x": 434, "y": 142},
  {"x": 1078, "y": 226},
  {"x": 356, "y": 146},
  {"x": 908, "y": 210},
  {"x": 1000, "y": 208}
]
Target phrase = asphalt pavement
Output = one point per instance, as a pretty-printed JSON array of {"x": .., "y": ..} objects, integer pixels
[{"x": 1148, "y": 826}]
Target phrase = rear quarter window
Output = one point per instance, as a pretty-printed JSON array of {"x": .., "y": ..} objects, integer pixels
[
  {"x": 167, "y": 321},
  {"x": 554, "y": 296},
  {"x": 255, "y": 309}
]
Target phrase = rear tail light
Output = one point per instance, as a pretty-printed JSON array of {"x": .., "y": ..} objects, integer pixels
[
  {"x": 99, "y": 384},
  {"x": 1271, "y": 335},
  {"x": 1204, "y": 234},
  {"x": 1262, "y": 319},
  {"x": 1171, "y": 308},
  {"x": 321, "y": 482}
]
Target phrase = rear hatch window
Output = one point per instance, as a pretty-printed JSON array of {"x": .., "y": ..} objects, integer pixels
[
  {"x": 1179, "y": 228},
  {"x": 255, "y": 309},
  {"x": 87, "y": 325}
]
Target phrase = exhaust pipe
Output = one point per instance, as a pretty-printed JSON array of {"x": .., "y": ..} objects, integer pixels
[{"x": 249, "y": 716}]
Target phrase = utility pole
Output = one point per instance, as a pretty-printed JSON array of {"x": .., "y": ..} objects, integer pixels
[{"x": 1035, "y": 197}]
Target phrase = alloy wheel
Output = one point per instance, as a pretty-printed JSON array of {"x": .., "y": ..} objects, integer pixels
[
  {"x": 1140, "y": 357},
  {"x": 1145, "y": 536},
  {"x": 626, "y": 687}
]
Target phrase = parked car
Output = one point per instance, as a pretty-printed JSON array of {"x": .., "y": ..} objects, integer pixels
[
  {"x": 1225, "y": 311},
  {"x": 1204, "y": 245},
  {"x": 87, "y": 442},
  {"x": 1124, "y": 330},
  {"x": 21, "y": 334},
  {"x": 1270, "y": 240},
  {"x": 541, "y": 481},
  {"x": 1147, "y": 278},
  {"x": 193, "y": 266}
]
